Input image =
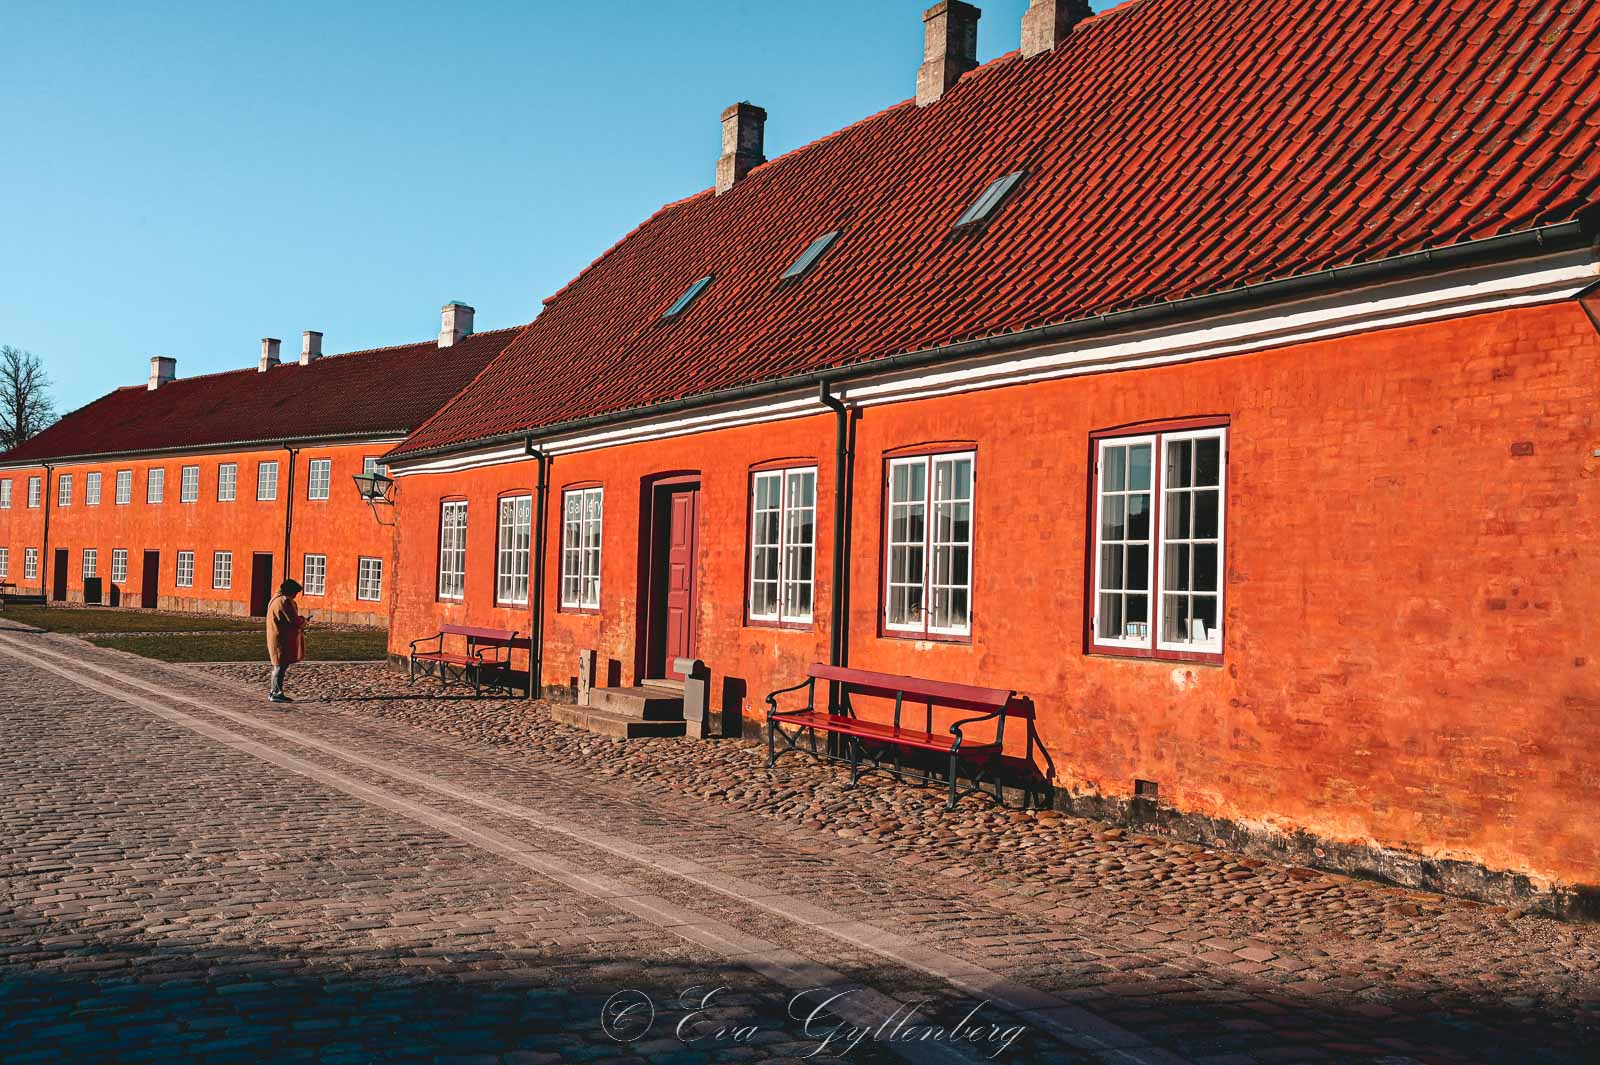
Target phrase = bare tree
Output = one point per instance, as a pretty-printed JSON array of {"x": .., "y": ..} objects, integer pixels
[{"x": 26, "y": 408}]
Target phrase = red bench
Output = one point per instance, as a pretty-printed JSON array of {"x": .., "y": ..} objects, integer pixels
[
  {"x": 977, "y": 756},
  {"x": 488, "y": 650}
]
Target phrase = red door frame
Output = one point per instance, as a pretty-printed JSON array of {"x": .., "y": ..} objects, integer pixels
[{"x": 656, "y": 532}]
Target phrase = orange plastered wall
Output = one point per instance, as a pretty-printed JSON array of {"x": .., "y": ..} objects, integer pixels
[{"x": 1410, "y": 623}]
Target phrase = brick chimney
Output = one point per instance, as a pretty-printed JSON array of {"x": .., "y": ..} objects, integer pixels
[
  {"x": 163, "y": 371},
  {"x": 455, "y": 322},
  {"x": 269, "y": 354},
  {"x": 949, "y": 48},
  {"x": 1046, "y": 23},
  {"x": 744, "y": 128},
  {"x": 310, "y": 347}
]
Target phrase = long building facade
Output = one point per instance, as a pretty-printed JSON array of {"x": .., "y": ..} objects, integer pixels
[
  {"x": 1218, "y": 376},
  {"x": 203, "y": 494}
]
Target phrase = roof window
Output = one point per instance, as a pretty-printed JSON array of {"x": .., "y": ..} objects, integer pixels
[
  {"x": 688, "y": 297},
  {"x": 985, "y": 206},
  {"x": 809, "y": 257}
]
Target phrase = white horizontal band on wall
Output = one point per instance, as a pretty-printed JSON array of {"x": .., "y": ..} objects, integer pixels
[{"x": 1467, "y": 291}]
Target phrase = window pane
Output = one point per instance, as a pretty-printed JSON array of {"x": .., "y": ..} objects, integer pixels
[
  {"x": 1139, "y": 468},
  {"x": 1114, "y": 470},
  {"x": 1179, "y": 464},
  {"x": 1205, "y": 567},
  {"x": 1175, "y": 618},
  {"x": 1138, "y": 517},
  {"x": 1205, "y": 515},
  {"x": 1113, "y": 520},
  {"x": 1175, "y": 567},
  {"x": 1111, "y": 573},
  {"x": 1110, "y": 615},
  {"x": 1208, "y": 461},
  {"x": 1139, "y": 567},
  {"x": 1178, "y": 505}
]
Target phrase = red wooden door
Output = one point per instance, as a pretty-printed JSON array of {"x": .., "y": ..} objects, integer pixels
[
  {"x": 682, "y": 536},
  {"x": 260, "y": 584},
  {"x": 150, "y": 581}
]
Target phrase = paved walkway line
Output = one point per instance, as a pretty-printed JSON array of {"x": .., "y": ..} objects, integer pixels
[{"x": 1071, "y": 1024}]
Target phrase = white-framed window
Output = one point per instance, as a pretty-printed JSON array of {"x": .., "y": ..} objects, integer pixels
[
  {"x": 119, "y": 564},
  {"x": 91, "y": 489},
  {"x": 5, "y": 494},
  {"x": 928, "y": 575},
  {"x": 369, "y": 579},
  {"x": 582, "y": 514},
  {"x": 1158, "y": 543},
  {"x": 372, "y": 464},
  {"x": 319, "y": 475},
  {"x": 222, "y": 569},
  {"x": 783, "y": 542},
  {"x": 315, "y": 574},
  {"x": 189, "y": 485},
  {"x": 227, "y": 482},
  {"x": 513, "y": 549},
  {"x": 35, "y": 488},
  {"x": 185, "y": 577},
  {"x": 453, "y": 549},
  {"x": 124, "y": 487},
  {"x": 30, "y": 564},
  {"x": 5, "y": 562},
  {"x": 267, "y": 481},
  {"x": 155, "y": 485},
  {"x": 91, "y": 562},
  {"x": 64, "y": 490}
]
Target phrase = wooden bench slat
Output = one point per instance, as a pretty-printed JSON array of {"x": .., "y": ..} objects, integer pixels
[
  {"x": 944, "y": 693},
  {"x": 478, "y": 633},
  {"x": 871, "y": 730}
]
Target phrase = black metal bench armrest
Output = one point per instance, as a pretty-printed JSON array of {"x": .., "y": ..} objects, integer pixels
[
  {"x": 955, "y": 728},
  {"x": 436, "y": 650},
  {"x": 810, "y": 684}
]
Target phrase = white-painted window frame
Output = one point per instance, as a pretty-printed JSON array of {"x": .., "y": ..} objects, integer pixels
[
  {"x": 227, "y": 482},
  {"x": 314, "y": 574},
  {"x": 222, "y": 570},
  {"x": 369, "y": 575},
  {"x": 797, "y": 558},
  {"x": 124, "y": 488},
  {"x": 319, "y": 478},
  {"x": 155, "y": 485},
  {"x": 91, "y": 489},
  {"x": 930, "y": 504},
  {"x": 119, "y": 564},
  {"x": 35, "y": 492},
  {"x": 189, "y": 484},
  {"x": 64, "y": 490},
  {"x": 183, "y": 570},
  {"x": 453, "y": 549},
  {"x": 91, "y": 562},
  {"x": 582, "y": 540},
  {"x": 513, "y": 550},
  {"x": 267, "y": 481},
  {"x": 30, "y": 563}
]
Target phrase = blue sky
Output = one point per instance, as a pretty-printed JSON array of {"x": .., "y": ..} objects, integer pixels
[{"x": 188, "y": 180}]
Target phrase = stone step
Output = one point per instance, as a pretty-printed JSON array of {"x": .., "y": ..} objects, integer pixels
[
  {"x": 614, "y": 725},
  {"x": 644, "y": 703}
]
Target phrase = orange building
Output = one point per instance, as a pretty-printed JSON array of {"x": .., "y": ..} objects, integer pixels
[
  {"x": 1219, "y": 375},
  {"x": 203, "y": 493}
]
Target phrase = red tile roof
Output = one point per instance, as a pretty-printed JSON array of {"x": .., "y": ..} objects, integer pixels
[
  {"x": 1173, "y": 148},
  {"x": 383, "y": 391}
]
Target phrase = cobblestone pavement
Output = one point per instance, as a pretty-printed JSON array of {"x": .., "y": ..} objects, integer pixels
[{"x": 389, "y": 874}]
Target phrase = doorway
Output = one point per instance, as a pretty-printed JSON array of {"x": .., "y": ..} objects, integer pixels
[
  {"x": 260, "y": 584},
  {"x": 150, "y": 582},
  {"x": 58, "y": 577},
  {"x": 674, "y": 587}
]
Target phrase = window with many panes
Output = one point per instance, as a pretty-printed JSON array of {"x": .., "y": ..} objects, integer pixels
[
  {"x": 314, "y": 574},
  {"x": 124, "y": 487},
  {"x": 155, "y": 486},
  {"x": 928, "y": 571},
  {"x": 5, "y": 562},
  {"x": 185, "y": 569},
  {"x": 189, "y": 485},
  {"x": 91, "y": 489},
  {"x": 371, "y": 465},
  {"x": 64, "y": 490},
  {"x": 319, "y": 475},
  {"x": 513, "y": 548},
  {"x": 783, "y": 541},
  {"x": 453, "y": 549},
  {"x": 369, "y": 579},
  {"x": 267, "y": 481},
  {"x": 1158, "y": 544},
  {"x": 227, "y": 482},
  {"x": 30, "y": 564},
  {"x": 222, "y": 569},
  {"x": 5, "y": 494},
  {"x": 91, "y": 562},
  {"x": 119, "y": 564},
  {"x": 34, "y": 491},
  {"x": 581, "y": 513}
]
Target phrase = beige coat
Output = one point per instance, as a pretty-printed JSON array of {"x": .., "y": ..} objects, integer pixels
[{"x": 286, "y": 635}]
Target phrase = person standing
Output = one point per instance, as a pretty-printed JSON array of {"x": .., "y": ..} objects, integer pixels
[{"x": 286, "y": 636}]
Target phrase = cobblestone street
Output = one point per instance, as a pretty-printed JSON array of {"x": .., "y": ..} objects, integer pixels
[{"x": 378, "y": 873}]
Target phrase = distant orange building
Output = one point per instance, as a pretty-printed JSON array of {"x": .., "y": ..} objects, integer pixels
[
  {"x": 1220, "y": 375},
  {"x": 203, "y": 493}
]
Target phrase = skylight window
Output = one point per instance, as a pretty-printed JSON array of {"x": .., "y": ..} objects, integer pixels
[
  {"x": 991, "y": 199},
  {"x": 812, "y": 253},
  {"x": 688, "y": 297}
]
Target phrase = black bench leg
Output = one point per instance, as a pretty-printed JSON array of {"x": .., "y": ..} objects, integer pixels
[
  {"x": 772, "y": 750},
  {"x": 855, "y": 760},
  {"x": 951, "y": 805}
]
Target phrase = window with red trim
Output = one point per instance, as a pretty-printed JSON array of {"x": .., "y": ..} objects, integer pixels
[
  {"x": 928, "y": 563},
  {"x": 1156, "y": 572}
]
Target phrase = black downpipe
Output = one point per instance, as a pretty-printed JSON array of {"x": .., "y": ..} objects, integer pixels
[
  {"x": 838, "y": 637},
  {"x": 536, "y": 593},
  {"x": 47, "y": 567},
  {"x": 288, "y": 517}
]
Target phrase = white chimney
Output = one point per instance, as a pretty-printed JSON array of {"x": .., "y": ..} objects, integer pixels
[
  {"x": 455, "y": 322},
  {"x": 163, "y": 370},
  {"x": 310, "y": 347},
  {"x": 269, "y": 353}
]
